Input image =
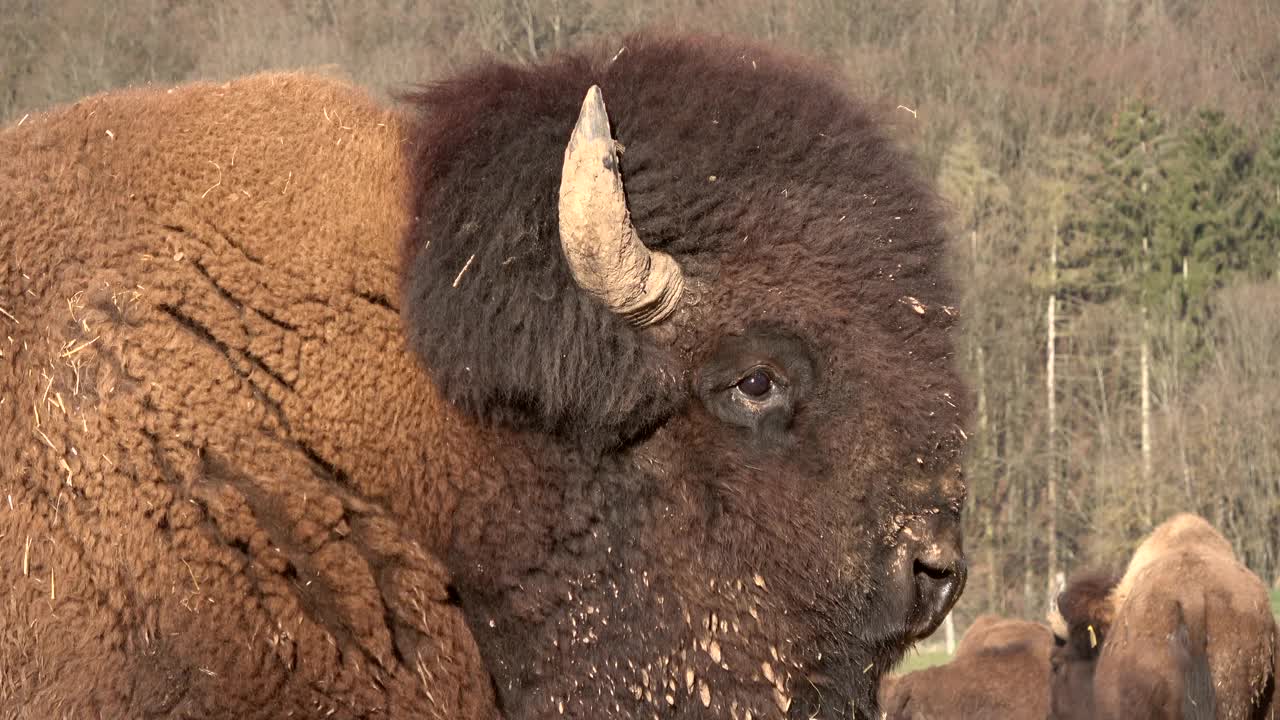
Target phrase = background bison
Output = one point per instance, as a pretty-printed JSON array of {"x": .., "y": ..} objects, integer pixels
[
  {"x": 1185, "y": 632},
  {"x": 1000, "y": 671},
  {"x": 684, "y": 449}
]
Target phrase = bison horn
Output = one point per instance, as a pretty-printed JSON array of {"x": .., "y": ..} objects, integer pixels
[
  {"x": 1058, "y": 624},
  {"x": 600, "y": 243},
  {"x": 1054, "y": 616}
]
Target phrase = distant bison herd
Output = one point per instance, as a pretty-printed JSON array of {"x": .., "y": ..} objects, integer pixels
[
  {"x": 999, "y": 670},
  {"x": 1185, "y": 632}
]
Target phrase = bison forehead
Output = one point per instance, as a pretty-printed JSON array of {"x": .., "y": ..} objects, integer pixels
[
  {"x": 780, "y": 197},
  {"x": 776, "y": 174}
]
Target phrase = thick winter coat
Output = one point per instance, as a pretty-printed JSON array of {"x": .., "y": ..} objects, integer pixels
[
  {"x": 1000, "y": 671},
  {"x": 621, "y": 385},
  {"x": 1186, "y": 632}
]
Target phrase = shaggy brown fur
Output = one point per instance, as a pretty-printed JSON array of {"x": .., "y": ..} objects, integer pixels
[
  {"x": 1274, "y": 690},
  {"x": 236, "y": 482},
  {"x": 1186, "y": 627},
  {"x": 1176, "y": 682},
  {"x": 1000, "y": 671},
  {"x": 744, "y": 199},
  {"x": 791, "y": 541},
  {"x": 1086, "y": 610},
  {"x": 202, "y": 402}
]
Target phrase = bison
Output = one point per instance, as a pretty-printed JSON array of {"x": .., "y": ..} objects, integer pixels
[
  {"x": 1186, "y": 632},
  {"x": 1000, "y": 671},
  {"x": 1274, "y": 690},
  {"x": 495, "y": 399}
]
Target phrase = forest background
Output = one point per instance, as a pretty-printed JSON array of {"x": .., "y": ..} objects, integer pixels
[{"x": 1113, "y": 167}]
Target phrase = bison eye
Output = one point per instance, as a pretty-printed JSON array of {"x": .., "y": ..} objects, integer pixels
[
  {"x": 757, "y": 384},
  {"x": 757, "y": 381}
]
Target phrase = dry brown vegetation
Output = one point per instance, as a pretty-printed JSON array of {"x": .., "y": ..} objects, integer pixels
[{"x": 1012, "y": 68}]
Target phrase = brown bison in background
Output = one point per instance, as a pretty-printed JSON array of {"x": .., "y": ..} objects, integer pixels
[
  {"x": 1274, "y": 714},
  {"x": 317, "y": 408},
  {"x": 1186, "y": 632},
  {"x": 1000, "y": 671}
]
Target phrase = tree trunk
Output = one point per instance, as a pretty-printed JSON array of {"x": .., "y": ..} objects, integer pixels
[
  {"x": 1028, "y": 564},
  {"x": 1027, "y": 488},
  {"x": 1051, "y": 488},
  {"x": 987, "y": 466},
  {"x": 1145, "y": 369},
  {"x": 949, "y": 625}
]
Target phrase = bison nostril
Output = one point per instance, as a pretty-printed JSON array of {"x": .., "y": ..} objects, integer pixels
[
  {"x": 937, "y": 589},
  {"x": 923, "y": 568}
]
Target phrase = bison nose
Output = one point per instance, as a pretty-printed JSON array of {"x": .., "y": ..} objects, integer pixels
[{"x": 939, "y": 579}]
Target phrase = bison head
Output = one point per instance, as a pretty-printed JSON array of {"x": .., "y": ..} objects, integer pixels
[
  {"x": 1081, "y": 619},
  {"x": 706, "y": 334}
]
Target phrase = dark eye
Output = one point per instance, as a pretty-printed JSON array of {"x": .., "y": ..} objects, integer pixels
[{"x": 757, "y": 384}]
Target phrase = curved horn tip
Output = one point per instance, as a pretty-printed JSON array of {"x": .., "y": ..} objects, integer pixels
[
  {"x": 1057, "y": 623},
  {"x": 603, "y": 250},
  {"x": 593, "y": 119}
]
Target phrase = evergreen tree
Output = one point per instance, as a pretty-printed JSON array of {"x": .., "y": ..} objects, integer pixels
[
  {"x": 1113, "y": 211},
  {"x": 1201, "y": 229},
  {"x": 1264, "y": 256}
]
